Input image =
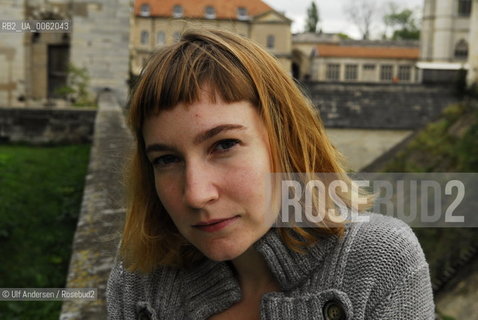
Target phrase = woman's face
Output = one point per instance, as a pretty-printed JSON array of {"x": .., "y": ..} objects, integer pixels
[{"x": 212, "y": 173}]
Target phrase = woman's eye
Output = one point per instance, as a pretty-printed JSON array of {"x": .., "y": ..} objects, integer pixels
[
  {"x": 225, "y": 145},
  {"x": 165, "y": 160}
]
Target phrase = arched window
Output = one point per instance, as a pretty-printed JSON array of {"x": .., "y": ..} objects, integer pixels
[
  {"x": 145, "y": 10},
  {"x": 178, "y": 11},
  {"x": 210, "y": 12},
  {"x": 144, "y": 37},
  {"x": 271, "y": 41},
  {"x": 461, "y": 49},
  {"x": 160, "y": 38},
  {"x": 464, "y": 8}
]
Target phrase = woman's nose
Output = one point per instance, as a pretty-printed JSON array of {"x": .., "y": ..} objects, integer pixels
[{"x": 200, "y": 188}]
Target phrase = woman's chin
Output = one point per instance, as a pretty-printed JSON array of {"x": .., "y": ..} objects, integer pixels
[{"x": 222, "y": 253}]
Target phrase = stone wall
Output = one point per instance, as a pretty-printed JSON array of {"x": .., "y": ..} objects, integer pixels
[
  {"x": 378, "y": 106},
  {"x": 100, "y": 43},
  {"x": 98, "y": 229},
  {"x": 12, "y": 55},
  {"x": 40, "y": 126}
]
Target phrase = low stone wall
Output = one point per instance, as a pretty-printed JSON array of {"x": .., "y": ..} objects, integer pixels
[
  {"x": 102, "y": 210},
  {"x": 378, "y": 106},
  {"x": 40, "y": 126}
]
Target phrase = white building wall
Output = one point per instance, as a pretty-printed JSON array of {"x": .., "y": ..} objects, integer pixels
[
  {"x": 442, "y": 29},
  {"x": 12, "y": 56},
  {"x": 473, "y": 49},
  {"x": 320, "y": 68},
  {"x": 426, "y": 33},
  {"x": 100, "y": 43}
]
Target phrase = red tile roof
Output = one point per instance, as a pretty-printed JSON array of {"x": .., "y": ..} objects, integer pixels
[
  {"x": 330, "y": 50},
  {"x": 225, "y": 9}
]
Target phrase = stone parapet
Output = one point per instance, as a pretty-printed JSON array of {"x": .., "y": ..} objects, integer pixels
[
  {"x": 46, "y": 126},
  {"x": 102, "y": 210}
]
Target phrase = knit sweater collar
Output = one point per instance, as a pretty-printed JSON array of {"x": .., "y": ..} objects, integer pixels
[{"x": 211, "y": 287}]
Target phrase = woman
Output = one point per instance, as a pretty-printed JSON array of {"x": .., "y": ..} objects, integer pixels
[{"x": 214, "y": 118}]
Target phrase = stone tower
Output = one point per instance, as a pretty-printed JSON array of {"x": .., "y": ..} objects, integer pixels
[
  {"x": 445, "y": 38},
  {"x": 473, "y": 54},
  {"x": 100, "y": 43}
]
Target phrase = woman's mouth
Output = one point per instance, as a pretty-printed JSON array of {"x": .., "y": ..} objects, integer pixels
[{"x": 215, "y": 224}]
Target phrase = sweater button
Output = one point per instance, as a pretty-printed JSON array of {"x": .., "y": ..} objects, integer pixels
[{"x": 333, "y": 310}]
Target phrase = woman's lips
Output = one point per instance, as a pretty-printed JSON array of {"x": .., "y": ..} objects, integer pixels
[{"x": 215, "y": 225}]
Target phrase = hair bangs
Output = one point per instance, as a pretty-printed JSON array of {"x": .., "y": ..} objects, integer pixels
[{"x": 178, "y": 76}]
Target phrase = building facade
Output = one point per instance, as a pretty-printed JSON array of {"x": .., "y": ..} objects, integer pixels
[
  {"x": 35, "y": 66},
  {"x": 448, "y": 40},
  {"x": 365, "y": 61},
  {"x": 304, "y": 47},
  {"x": 157, "y": 23}
]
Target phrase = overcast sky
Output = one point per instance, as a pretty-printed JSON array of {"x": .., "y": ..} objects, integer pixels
[{"x": 331, "y": 12}]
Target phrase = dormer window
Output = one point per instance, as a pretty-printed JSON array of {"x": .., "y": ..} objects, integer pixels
[
  {"x": 178, "y": 11},
  {"x": 210, "y": 12},
  {"x": 145, "y": 10},
  {"x": 242, "y": 13}
]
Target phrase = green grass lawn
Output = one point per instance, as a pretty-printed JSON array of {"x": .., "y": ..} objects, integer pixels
[{"x": 40, "y": 198}]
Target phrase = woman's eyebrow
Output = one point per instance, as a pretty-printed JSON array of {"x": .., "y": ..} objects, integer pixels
[
  {"x": 201, "y": 137},
  {"x": 157, "y": 147},
  {"x": 215, "y": 131}
]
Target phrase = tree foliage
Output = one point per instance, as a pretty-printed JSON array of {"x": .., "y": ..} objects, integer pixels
[
  {"x": 311, "y": 24},
  {"x": 402, "y": 22}
]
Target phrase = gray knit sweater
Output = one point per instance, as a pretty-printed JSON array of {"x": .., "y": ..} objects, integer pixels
[{"x": 377, "y": 271}]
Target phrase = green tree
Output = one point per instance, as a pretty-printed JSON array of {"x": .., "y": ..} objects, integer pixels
[
  {"x": 312, "y": 18},
  {"x": 402, "y": 22},
  {"x": 76, "y": 91}
]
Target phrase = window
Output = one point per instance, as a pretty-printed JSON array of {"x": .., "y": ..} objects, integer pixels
[
  {"x": 464, "y": 8},
  {"x": 176, "y": 36},
  {"x": 351, "y": 72},
  {"x": 177, "y": 11},
  {"x": 144, "y": 37},
  {"x": 242, "y": 13},
  {"x": 369, "y": 67},
  {"x": 333, "y": 71},
  {"x": 145, "y": 11},
  {"x": 461, "y": 49},
  {"x": 210, "y": 12},
  {"x": 386, "y": 72},
  {"x": 160, "y": 38},
  {"x": 271, "y": 41},
  {"x": 404, "y": 73}
]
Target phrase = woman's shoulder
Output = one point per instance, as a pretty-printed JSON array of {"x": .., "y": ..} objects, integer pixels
[
  {"x": 382, "y": 248},
  {"x": 380, "y": 238}
]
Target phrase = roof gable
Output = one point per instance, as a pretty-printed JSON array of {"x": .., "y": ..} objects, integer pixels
[{"x": 272, "y": 16}]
